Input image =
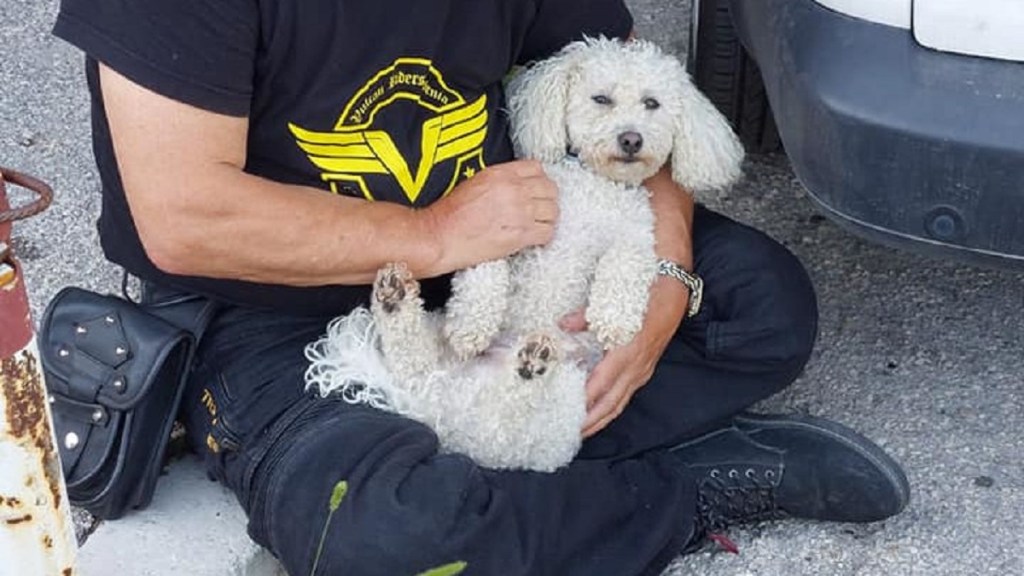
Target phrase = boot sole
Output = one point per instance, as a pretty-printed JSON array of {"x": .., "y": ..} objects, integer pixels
[{"x": 848, "y": 437}]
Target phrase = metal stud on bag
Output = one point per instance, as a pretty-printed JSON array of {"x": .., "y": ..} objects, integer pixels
[{"x": 71, "y": 440}]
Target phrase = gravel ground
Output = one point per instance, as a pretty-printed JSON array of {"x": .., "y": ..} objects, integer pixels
[{"x": 922, "y": 355}]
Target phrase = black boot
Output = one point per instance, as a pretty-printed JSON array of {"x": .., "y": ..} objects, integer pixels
[{"x": 770, "y": 466}]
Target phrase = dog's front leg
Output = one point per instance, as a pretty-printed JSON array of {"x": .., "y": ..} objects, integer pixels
[
  {"x": 476, "y": 309},
  {"x": 408, "y": 340},
  {"x": 620, "y": 290}
]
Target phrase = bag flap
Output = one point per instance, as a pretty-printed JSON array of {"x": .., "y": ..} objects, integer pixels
[
  {"x": 86, "y": 435},
  {"x": 104, "y": 349}
]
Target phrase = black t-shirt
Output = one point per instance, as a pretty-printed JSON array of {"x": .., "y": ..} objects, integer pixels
[{"x": 387, "y": 100}]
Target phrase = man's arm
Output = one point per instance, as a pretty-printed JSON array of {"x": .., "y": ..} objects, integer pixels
[
  {"x": 624, "y": 370},
  {"x": 198, "y": 213}
]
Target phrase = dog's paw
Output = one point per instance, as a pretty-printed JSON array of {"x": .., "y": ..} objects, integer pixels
[
  {"x": 611, "y": 329},
  {"x": 612, "y": 337},
  {"x": 466, "y": 344},
  {"x": 394, "y": 284},
  {"x": 536, "y": 357}
]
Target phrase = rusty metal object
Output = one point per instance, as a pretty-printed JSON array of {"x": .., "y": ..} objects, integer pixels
[
  {"x": 37, "y": 536},
  {"x": 8, "y": 214}
]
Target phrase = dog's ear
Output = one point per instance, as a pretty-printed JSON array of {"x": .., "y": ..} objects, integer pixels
[
  {"x": 706, "y": 154},
  {"x": 537, "y": 99}
]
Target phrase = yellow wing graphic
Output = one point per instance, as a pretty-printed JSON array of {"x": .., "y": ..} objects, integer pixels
[{"x": 349, "y": 155}]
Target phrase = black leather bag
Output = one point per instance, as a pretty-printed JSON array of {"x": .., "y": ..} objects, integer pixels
[{"x": 115, "y": 371}]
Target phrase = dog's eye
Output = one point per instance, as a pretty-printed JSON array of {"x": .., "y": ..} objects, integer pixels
[
  {"x": 601, "y": 99},
  {"x": 651, "y": 103}
]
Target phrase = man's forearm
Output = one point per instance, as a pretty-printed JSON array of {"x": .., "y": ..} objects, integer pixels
[
  {"x": 250, "y": 228},
  {"x": 673, "y": 211},
  {"x": 673, "y": 224}
]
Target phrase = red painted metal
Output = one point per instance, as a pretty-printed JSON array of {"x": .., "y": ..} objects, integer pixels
[{"x": 15, "y": 321}]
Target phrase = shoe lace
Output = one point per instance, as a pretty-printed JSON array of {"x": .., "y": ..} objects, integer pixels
[{"x": 730, "y": 498}]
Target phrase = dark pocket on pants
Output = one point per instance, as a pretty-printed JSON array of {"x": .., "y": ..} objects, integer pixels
[{"x": 207, "y": 412}]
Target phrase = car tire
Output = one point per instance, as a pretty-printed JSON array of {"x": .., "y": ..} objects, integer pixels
[{"x": 723, "y": 70}]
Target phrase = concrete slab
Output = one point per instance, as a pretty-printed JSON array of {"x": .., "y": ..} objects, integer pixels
[{"x": 194, "y": 526}]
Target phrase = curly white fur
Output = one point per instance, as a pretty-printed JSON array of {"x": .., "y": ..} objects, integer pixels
[{"x": 493, "y": 375}]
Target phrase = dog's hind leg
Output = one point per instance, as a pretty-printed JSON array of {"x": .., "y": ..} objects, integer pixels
[{"x": 409, "y": 339}]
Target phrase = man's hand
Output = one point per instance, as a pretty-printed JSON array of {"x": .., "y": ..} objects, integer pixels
[
  {"x": 498, "y": 212},
  {"x": 624, "y": 370}
]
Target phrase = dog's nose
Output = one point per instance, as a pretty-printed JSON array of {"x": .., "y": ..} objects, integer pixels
[{"x": 631, "y": 142}]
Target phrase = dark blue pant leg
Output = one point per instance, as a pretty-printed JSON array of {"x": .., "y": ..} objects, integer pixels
[
  {"x": 752, "y": 337},
  {"x": 407, "y": 509}
]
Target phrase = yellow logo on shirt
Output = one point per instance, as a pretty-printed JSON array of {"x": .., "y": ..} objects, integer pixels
[{"x": 355, "y": 149}]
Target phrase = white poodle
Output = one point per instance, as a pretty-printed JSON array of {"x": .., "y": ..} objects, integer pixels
[{"x": 493, "y": 375}]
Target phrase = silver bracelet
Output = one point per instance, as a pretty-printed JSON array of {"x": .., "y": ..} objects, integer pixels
[{"x": 692, "y": 282}]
